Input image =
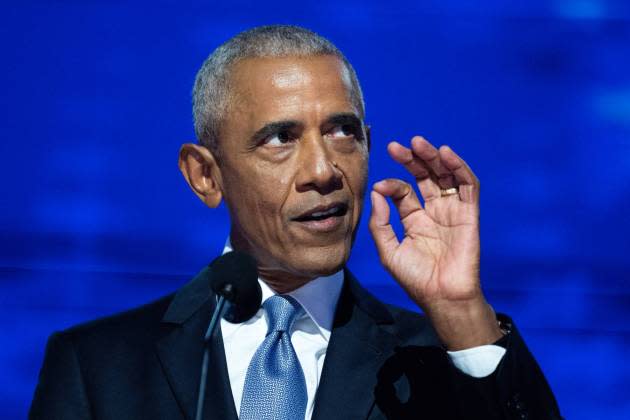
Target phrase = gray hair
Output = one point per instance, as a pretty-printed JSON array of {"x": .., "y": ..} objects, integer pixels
[{"x": 211, "y": 93}]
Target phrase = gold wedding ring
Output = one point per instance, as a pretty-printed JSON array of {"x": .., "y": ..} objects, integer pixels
[{"x": 449, "y": 191}]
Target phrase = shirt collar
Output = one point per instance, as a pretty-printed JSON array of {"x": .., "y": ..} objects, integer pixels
[{"x": 318, "y": 297}]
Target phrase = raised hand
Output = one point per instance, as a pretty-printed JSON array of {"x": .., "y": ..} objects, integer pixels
[{"x": 437, "y": 261}]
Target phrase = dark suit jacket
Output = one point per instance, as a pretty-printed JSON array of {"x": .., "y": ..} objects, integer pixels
[{"x": 382, "y": 362}]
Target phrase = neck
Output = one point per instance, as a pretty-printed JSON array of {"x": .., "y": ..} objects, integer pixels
[
  {"x": 279, "y": 279},
  {"x": 282, "y": 282}
]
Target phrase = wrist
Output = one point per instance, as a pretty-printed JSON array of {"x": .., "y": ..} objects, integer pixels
[{"x": 465, "y": 324}]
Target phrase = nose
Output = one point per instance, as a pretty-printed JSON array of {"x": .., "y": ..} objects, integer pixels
[{"x": 317, "y": 171}]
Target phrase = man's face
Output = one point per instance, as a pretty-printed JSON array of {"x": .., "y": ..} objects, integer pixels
[{"x": 293, "y": 162}]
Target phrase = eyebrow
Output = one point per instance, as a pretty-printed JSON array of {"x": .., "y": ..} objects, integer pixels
[
  {"x": 343, "y": 118},
  {"x": 340, "y": 118}
]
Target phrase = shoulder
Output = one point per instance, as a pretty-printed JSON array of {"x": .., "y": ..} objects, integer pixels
[
  {"x": 145, "y": 323},
  {"x": 409, "y": 327},
  {"x": 130, "y": 327}
]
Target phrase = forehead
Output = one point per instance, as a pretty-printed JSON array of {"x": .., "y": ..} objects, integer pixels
[{"x": 276, "y": 87}]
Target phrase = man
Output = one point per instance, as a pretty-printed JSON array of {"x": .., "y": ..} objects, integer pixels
[{"x": 279, "y": 117}]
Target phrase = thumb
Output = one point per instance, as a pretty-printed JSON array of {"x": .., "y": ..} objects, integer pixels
[{"x": 380, "y": 228}]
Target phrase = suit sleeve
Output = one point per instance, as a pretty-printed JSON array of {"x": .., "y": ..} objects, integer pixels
[
  {"x": 60, "y": 392},
  {"x": 516, "y": 390}
]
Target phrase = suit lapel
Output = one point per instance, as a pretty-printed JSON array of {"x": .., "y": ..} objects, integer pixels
[
  {"x": 357, "y": 348},
  {"x": 180, "y": 352}
]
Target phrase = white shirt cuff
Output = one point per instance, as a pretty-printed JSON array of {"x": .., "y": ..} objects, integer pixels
[{"x": 478, "y": 362}]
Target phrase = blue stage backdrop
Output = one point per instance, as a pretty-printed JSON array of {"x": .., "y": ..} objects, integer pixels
[{"x": 95, "y": 217}]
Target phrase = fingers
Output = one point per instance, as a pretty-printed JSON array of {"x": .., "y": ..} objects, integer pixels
[
  {"x": 382, "y": 231},
  {"x": 402, "y": 195},
  {"x": 405, "y": 157},
  {"x": 431, "y": 157},
  {"x": 464, "y": 176},
  {"x": 427, "y": 182},
  {"x": 435, "y": 169}
]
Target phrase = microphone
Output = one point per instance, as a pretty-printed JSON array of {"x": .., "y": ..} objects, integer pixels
[{"x": 234, "y": 279}]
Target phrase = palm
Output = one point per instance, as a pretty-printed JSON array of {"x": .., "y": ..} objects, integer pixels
[
  {"x": 436, "y": 253},
  {"x": 438, "y": 258}
]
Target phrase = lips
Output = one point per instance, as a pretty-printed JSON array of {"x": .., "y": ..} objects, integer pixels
[{"x": 323, "y": 212}]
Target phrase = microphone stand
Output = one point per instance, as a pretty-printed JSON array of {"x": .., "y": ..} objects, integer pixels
[{"x": 219, "y": 310}]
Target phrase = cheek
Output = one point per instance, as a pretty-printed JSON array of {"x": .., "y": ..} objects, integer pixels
[
  {"x": 256, "y": 197},
  {"x": 357, "y": 174}
]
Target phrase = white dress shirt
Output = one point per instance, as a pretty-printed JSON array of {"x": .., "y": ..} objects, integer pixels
[{"x": 310, "y": 335}]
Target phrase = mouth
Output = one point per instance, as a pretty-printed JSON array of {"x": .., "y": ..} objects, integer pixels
[{"x": 323, "y": 218}]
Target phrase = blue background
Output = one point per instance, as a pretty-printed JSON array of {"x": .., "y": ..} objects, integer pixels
[{"x": 95, "y": 217}]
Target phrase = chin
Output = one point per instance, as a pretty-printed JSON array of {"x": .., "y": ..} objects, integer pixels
[{"x": 319, "y": 262}]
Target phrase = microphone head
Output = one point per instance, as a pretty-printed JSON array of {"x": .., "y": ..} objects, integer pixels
[{"x": 235, "y": 277}]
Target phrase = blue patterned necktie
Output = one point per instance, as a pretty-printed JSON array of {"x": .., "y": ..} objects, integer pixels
[{"x": 275, "y": 388}]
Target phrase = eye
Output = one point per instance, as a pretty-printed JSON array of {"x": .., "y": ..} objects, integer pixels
[
  {"x": 340, "y": 131},
  {"x": 278, "y": 139}
]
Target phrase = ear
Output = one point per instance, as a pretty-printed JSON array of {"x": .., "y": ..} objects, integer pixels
[
  {"x": 200, "y": 169},
  {"x": 368, "y": 136}
]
